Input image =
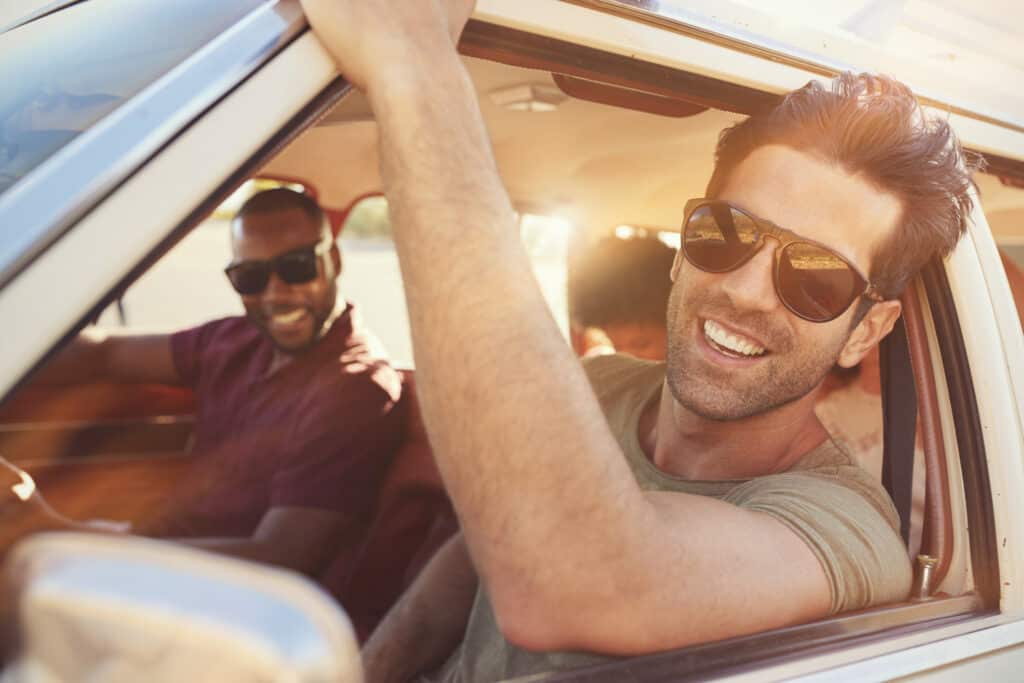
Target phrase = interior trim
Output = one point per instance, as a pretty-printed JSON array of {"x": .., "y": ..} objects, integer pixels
[
  {"x": 625, "y": 98},
  {"x": 970, "y": 443},
  {"x": 937, "y": 535},
  {"x": 531, "y": 51}
]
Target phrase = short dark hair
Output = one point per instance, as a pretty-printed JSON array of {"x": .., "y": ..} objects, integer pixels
[
  {"x": 617, "y": 281},
  {"x": 283, "y": 199},
  {"x": 873, "y": 126}
]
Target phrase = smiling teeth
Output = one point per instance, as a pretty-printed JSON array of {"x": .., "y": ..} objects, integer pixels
[
  {"x": 287, "y": 318},
  {"x": 730, "y": 342}
]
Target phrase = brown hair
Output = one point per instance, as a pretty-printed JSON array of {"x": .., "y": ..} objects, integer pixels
[{"x": 872, "y": 126}]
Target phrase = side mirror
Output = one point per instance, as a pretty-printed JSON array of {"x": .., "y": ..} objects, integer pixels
[{"x": 106, "y": 608}]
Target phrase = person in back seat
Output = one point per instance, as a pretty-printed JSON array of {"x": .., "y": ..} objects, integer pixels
[
  {"x": 618, "y": 291},
  {"x": 298, "y": 415},
  {"x": 654, "y": 506}
]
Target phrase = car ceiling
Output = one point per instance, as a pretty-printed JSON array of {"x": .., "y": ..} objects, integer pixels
[{"x": 596, "y": 164}]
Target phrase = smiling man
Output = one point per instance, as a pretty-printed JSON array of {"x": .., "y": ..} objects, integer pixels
[
  {"x": 685, "y": 502},
  {"x": 297, "y": 416}
]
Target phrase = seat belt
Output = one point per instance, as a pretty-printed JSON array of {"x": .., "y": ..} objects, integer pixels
[{"x": 899, "y": 422}]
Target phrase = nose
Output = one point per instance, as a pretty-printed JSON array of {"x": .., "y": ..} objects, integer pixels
[
  {"x": 276, "y": 289},
  {"x": 751, "y": 287}
]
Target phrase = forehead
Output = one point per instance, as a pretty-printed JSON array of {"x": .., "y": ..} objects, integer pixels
[
  {"x": 815, "y": 199},
  {"x": 266, "y": 234}
]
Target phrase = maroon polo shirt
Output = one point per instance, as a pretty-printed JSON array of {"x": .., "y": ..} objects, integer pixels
[{"x": 319, "y": 432}]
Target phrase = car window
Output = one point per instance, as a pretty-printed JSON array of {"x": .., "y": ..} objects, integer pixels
[
  {"x": 371, "y": 276},
  {"x": 65, "y": 72},
  {"x": 187, "y": 286}
]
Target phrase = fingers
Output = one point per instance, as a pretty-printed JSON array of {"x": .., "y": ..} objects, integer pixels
[{"x": 368, "y": 38}]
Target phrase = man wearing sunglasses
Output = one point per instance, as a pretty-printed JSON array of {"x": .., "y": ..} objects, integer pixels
[
  {"x": 685, "y": 502},
  {"x": 297, "y": 416}
]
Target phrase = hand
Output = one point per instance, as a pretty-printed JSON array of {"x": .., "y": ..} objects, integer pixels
[{"x": 372, "y": 40}]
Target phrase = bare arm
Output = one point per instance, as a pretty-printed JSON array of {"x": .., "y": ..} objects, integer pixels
[
  {"x": 514, "y": 424},
  {"x": 302, "y": 539},
  {"x": 427, "y": 622},
  {"x": 94, "y": 355}
]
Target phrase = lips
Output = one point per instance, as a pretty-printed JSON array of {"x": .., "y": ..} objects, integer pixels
[{"x": 730, "y": 342}]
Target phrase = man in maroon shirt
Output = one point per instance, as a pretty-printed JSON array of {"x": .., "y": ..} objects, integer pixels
[{"x": 297, "y": 418}]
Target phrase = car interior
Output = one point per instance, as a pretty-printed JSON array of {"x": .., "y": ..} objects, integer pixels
[{"x": 587, "y": 148}]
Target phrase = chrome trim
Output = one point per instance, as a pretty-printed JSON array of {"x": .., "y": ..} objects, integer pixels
[
  {"x": 40, "y": 207},
  {"x": 39, "y": 13},
  {"x": 677, "y": 20}
]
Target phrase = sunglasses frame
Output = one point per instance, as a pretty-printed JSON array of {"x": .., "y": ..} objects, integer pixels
[
  {"x": 785, "y": 238},
  {"x": 319, "y": 248}
]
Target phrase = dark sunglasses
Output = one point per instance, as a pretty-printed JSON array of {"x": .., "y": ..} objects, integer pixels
[
  {"x": 811, "y": 280},
  {"x": 294, "y": 267}
]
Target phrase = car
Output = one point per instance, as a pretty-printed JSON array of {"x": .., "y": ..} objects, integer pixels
[{"x": 128, "y": 131}]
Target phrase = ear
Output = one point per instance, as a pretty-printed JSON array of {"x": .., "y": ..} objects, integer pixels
[
  {"x": 872, "y": 329},
  {"x": 335, "y": 262},
  {"x": 677, "y": 263}
]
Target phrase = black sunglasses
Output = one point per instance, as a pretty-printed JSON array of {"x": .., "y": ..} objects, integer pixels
[
  {"x": 811, "y": 280},
  {"x": 294, "y": 267}
]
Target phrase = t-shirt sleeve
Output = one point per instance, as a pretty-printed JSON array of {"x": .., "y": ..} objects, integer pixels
[
  {"x": 341, "y": 452},
  {"x": 187, "y": 351},
  {"x": 849, "y": 528}
]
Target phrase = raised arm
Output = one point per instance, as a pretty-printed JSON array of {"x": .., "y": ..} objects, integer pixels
[
  {"x": 95, "y": 355},
  {"x": 566, "y": 543}
]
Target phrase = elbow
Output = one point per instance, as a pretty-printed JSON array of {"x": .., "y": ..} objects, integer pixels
[{"x": 537, "y": 620}]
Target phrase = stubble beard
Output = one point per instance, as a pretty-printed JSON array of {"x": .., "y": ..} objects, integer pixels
[
  {"x": 319, "y": 311},
  {"x": 790, "y": 372}
]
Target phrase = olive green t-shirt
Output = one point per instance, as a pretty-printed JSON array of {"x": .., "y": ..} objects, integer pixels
[{"x": 838, "y": 509}]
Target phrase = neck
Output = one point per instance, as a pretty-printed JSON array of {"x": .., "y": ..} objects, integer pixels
[
  {"x": 684, "y": 444},
  {"x": 279, "y": 360}
]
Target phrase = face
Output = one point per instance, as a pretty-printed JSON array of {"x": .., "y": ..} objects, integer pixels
[
  {"x": 292, "y": 316},
  {"x": 734, "y": 349}
]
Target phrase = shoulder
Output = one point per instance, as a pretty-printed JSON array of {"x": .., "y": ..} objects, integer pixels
[
  {"x": 847, "y": 520},
  {"x": 614, "y": 373},
  {"x": 831, "y": 464},
  {"x": 350, "y": 383}
]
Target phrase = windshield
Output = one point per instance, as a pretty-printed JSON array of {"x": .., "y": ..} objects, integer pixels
[
  {"x": 65, "y": 72},
  {"x": 964, "y": 53}
]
